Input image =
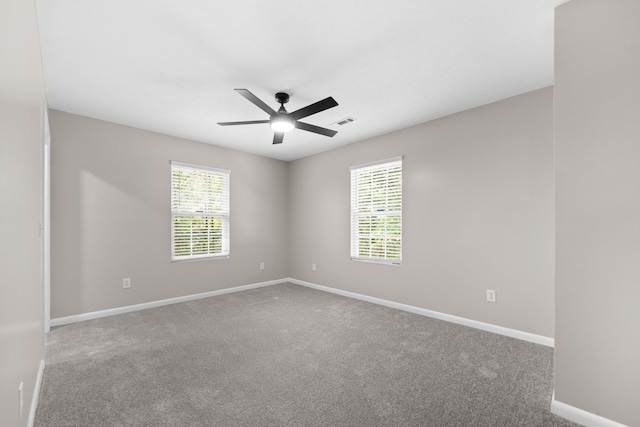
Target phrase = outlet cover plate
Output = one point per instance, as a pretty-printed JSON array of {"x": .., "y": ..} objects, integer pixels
[{"x": 491, "y": 295}]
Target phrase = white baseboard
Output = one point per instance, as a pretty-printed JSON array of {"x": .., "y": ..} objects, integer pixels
[
  {"x": 36, "y": 395},
  {"x": 130, "y": 308},
  {"x": 513, "y": 333},
  {"x": 581, "y": 416}
]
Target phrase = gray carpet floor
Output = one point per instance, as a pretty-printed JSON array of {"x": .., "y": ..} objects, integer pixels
[{"x": 286, "y": 355}]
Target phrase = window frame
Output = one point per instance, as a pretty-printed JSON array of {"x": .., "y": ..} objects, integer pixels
[
  {"x": 357, "y": 212},
  {"x": 224, "y": 214}
]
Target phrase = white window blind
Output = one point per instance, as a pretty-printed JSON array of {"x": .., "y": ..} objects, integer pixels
[
  {"x": 376, "y": 212},
  {"x": 199, "y": 212}
]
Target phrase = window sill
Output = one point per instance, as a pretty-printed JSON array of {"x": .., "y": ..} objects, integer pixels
[
  {"x": 200, "y": 258},
  {"x": 378, "y": 261}
]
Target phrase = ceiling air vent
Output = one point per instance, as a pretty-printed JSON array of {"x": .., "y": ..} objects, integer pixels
[{"x": 343, "y": 122}]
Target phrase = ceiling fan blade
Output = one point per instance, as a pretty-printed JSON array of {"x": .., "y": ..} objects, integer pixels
[
  {"x": 251, "y": 122},
  {"x": 278, "y": 137},
  {"x": 325, "y": 104},
  {"x": 316, "y": 129},
  {"x": 256, "y": 101}
]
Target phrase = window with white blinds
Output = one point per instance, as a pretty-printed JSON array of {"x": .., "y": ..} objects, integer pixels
[
  {"x": 199, "y": 212},
  {"x": 376, "y": 212}
]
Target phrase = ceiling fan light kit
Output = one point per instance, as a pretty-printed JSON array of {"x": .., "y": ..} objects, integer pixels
[
  {"x": 282, "y": 124},
  {"x": 282, "y": 121}
]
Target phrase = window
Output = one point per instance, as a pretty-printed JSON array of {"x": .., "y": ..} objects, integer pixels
[
  {"x": 376, "y": 212},
  {"x": 199, "y": 212}
]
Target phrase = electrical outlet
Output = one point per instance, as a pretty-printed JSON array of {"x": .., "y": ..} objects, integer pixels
[
  {"x": 126, "y": 283},
  {"x": 20, "y": 400},
  {"x": 313, "y": 267},
  {"x": 262, "y": 266},
  {"x": 491, "y": 295}
]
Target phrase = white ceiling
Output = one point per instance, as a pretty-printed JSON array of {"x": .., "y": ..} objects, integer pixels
[{"x": 171, "y": 66}]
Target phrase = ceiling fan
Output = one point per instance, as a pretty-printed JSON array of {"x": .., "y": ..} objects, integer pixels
[{"x": 282, "y": 121}]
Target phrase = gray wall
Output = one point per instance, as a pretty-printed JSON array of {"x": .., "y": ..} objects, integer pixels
[
  {"x": 111, "y": 217},
  {"x": 21, "y": 98},
  {"x": 597, "y": 116},
  {"x": 477, "y": 215}
]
